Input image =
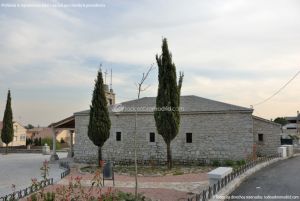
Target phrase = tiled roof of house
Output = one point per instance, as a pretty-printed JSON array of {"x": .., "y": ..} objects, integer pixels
[
  {"x": 1, "y": 124},
  {"x": 187, "y": 104},
  {"x": 43, "y": 132}
]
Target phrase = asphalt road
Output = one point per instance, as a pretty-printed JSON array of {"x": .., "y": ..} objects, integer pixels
[
  {"x": 18, "y": 169},
  {"x": 281, "y": 179}
]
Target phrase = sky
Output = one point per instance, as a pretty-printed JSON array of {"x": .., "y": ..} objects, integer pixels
[{"x": 235, "y": 51}]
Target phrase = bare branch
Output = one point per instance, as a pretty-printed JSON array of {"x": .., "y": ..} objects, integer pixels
[
  {"x": 144, "y": 89},
  {"x": 146, "y": 75}
]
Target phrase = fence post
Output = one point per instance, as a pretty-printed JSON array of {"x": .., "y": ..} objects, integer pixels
[
  {"x": 198, "y": 197},
  {"x": 214, "y": 189},
  {"x": 19, "y": 194},
  {"x": 209, "y": 192},
  {"x": 204, "y": 195}
]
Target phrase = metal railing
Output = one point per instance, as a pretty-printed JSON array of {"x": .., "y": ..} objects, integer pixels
[
  {"x": 214, "y": 189},
  {"x": 67, "y": 167},
  {"x": 27, "y": 191}
]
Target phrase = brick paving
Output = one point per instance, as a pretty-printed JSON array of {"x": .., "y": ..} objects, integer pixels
[{"x": 158, "y": 188}]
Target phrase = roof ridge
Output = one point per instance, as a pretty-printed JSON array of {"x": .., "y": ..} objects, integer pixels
[{"x": 188, "y": 103}]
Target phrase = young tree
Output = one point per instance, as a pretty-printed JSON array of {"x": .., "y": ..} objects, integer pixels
[
  {"x": 29, "y": 126},
  {"x": 7, "y": 134},
  {"x": 168, "y": 96},
  {"x": 36, "y": 142},
  {"x": 140, "y": 89},
  {"x": 99, "y": 125},
  {"x": 281, "y": 120}
]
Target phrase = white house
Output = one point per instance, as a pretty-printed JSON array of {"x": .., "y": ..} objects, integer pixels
[{"x": 19, "y": 135}]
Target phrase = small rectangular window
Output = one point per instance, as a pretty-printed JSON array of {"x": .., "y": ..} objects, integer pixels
[
  {"x": 152, "y": 137},
  {"x": 118, "y": 136},
  {"x": 189, "y": 137},
  {"x": 22, "y": 138},
  {"x": 260, "y": 137}
]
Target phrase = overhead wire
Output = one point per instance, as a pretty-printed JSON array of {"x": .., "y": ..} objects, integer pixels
[{"x": 278, "y": 91}]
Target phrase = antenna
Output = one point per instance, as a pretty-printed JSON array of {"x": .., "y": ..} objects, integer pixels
[
  {"x": 105, "y": 73},
  {"x": 111, "y": 79}
]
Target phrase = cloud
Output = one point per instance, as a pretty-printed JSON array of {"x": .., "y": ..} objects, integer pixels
[{"x": 234, "y": 51}]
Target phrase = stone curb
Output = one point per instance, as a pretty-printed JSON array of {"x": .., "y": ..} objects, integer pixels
[{"x": 224, "y": 192}]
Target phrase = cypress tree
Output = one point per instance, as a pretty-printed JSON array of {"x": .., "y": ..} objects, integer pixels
[
  {"x": 168, "y": 95},
  {"x": 40, "y": 141},
  {"x": 99, "y": 124},
  {"x": 36, "y": 142},
  {"x": 7, "y": 133}
]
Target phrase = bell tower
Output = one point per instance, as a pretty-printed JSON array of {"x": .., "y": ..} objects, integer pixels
[{"x": 109, "y": 93}]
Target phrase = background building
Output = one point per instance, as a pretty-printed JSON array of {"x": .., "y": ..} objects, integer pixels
[
  {"x": 292, "y": 126},
  {"x": 19, "y": 135}
]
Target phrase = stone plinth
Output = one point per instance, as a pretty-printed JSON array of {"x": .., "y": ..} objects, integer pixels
[
  {"x": 289, "y": 149},
  {"x": 217, "y": 174},
  {"x": 46, "y": 150},
  {"x": 282, "y": 151}
]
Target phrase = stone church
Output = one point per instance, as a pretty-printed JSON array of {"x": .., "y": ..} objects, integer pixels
[{"x": 209, "y": 130}]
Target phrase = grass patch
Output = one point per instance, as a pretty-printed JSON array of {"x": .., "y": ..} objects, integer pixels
[{"x": 178, "y": 172}]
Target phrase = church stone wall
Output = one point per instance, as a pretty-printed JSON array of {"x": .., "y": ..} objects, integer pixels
[
  {"x": 214, "y": 136},
  {"x": 271, "y": 136}
]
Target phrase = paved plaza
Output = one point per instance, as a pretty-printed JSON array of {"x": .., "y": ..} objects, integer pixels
[
  {"x": 166, "y": 188},
  {"x": 18, "y": 169}
]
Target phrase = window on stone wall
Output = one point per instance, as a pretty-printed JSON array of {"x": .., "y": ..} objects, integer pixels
[
  {"x": 152, "y": 137},
  {"x": 260, "y": 137},
  {"x": 189, "y": 137},
  {"x": 118, "y": 136}
]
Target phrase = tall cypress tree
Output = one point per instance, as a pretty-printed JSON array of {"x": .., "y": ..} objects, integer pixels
[
  {"x": 99, "y": 125},
  {"x": 7, "y": 133},
  {"x": 168, "y": 95}
]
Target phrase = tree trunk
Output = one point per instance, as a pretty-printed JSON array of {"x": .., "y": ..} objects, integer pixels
[
  {"x": 6, "y": 150},
  {"x": 99, "y": 155},
  {"x": 169, "y": 155}
]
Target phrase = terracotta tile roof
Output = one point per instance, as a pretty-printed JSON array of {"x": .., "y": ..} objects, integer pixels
[{"x": 40, "y": 132}]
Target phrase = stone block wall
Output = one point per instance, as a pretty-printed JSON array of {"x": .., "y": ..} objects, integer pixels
[
  {"x": 214, "y": 136},
  {"x": 84, "y": 149},
  {"x": 271, "y": 136}
]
